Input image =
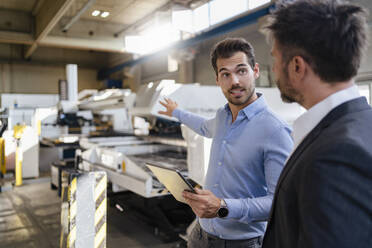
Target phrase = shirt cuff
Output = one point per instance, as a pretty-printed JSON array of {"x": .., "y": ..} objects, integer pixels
[
  {"x": 176, "y": 113},
  {"x": 235, "y": 208}
]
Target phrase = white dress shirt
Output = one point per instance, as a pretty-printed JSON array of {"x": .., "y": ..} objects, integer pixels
[{"x": 304, "y": 124}]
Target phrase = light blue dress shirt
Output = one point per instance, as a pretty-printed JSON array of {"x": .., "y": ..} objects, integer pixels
[{"x": 247, "y": 157}]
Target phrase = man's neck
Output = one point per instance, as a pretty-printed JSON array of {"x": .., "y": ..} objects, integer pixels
[
  {"x": 236, "y": 108},
  {"x": 321, "y": 90}
]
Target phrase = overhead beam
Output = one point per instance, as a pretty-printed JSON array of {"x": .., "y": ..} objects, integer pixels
[
  {"x": 84, "y": 44},
  {"x": 109, "y": 45},
  {"x": 16, "y": 38},
  {"x": 48, "y": 16},
  {"x": 36, "y": 8},
  {"x": 77, "y": 16}
]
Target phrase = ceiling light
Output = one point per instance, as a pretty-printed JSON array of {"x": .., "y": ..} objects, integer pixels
[
  {"x": 105, "y": 14},
  {"x": 96, "y": 13}
]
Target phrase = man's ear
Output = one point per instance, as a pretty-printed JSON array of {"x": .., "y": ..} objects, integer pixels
[
  {"x": 256, "y": 71},
  {"x": 218, "y": 83},
  {"x": 297, "y": 68}
]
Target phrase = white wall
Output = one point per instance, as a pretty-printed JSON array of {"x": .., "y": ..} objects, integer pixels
[{"x": 23, "y": 78}]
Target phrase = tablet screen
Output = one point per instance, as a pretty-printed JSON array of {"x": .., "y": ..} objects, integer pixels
[{"x": 172, "y": 179}]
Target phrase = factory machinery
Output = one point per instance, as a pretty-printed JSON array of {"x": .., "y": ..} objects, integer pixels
[
  {"x": 156, "y": 139},
  {"x": 162, "y": 140}
]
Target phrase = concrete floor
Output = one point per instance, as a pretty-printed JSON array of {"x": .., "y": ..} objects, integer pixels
[{"x": 30, "y": 218}]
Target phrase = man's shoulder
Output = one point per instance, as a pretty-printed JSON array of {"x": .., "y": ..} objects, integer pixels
[
  {"x": 345, "y": 137},
  {"x": 222, "y": 111},
  {"x": 351, "y": 125},
  {"x": 268, "y": 117}
]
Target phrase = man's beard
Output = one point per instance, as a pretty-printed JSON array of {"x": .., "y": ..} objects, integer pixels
[{"x": 287, "y": 92}]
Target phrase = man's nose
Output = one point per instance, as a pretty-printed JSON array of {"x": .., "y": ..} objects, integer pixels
[{"x": 234, "y": 79}]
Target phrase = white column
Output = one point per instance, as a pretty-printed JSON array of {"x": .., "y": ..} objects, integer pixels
[{"x": 72, "y": 82}]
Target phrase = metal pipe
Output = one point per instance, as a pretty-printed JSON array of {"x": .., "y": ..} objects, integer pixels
[{"x": 77, "y": 16}]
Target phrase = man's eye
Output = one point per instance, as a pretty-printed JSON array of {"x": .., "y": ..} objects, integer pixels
[
  {"x": 242, "y": 71},
  {"x": 225, "y": 74}
]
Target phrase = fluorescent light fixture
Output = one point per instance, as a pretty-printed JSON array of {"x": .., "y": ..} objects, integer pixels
[
  {"x": 96, "y": 13},
  {"x": 105, "y": 14}
]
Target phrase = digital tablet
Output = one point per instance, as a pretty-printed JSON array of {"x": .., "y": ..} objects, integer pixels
[{"x": 172, "y": 179}]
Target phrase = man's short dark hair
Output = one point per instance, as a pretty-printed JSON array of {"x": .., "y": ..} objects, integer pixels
[
  {"x": 228, "y": 47},
  {"x": 330, "y": 35}
]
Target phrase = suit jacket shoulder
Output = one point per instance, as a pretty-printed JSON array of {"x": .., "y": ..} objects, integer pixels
[{"x": 323, "y": 195}]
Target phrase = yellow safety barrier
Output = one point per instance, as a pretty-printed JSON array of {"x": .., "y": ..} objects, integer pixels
[
  {"x": 2, "y": 156},
  {"x": 38, "y": 127},
  {"x": 18, "y": 167},
  {"x": 123, "y": 168},
  {"x": 18, "y": 131}
]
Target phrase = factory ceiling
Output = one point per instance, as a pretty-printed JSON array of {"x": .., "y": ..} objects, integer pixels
[
  {"x": 98, "y": 25},
  {"x": 73, "y": 23}
]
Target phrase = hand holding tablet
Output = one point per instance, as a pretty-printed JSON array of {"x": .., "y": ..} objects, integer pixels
[{"x": 172, "y": 179}]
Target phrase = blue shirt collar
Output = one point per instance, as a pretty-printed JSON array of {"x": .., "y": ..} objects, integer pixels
[{"x": 252, "y": 109}]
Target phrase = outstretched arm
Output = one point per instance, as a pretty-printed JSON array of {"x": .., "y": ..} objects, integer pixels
[
  {"x": 200, "y": 125},
  {"x": 169, "y": 105}
]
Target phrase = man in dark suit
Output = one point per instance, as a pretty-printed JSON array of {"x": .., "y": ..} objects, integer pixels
[{"x": 324, "y": 195}]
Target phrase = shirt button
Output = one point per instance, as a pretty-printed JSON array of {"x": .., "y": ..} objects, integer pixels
[
  {"x": 215, "y": 185},
  {"x": 219, "y": 163},
  {"x": 224, "y": 142}
]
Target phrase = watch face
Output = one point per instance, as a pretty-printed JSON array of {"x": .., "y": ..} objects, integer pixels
[{"x": 223, "y": 212}]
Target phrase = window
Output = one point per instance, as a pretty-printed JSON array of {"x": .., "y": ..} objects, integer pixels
[
  {"x": 172, "y": 64},
  {"x": 221, "y": 10},
  {"x": 201, "y": 18},
  {"x": 252, "y": 4},
  {"x": 182, "y": 20},
  {"x": 365, "y": 90},
  {"x": 163, "y": 33}
]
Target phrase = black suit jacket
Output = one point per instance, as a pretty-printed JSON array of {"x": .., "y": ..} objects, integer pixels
[{"x": 324, "y": 194}]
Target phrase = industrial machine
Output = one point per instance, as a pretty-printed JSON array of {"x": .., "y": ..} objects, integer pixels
[
  {"x": 156, "y": 139},
  {"x": 110, "y": 109},
  {"x": 161, "y": 139}
]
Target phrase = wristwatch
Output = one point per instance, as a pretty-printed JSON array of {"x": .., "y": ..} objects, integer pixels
[{"x": 223, "y": 211}]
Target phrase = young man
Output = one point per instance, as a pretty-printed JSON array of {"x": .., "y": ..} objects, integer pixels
[
  {"x": 250, "y": 146},
  {"x": 323, "y": 196}
]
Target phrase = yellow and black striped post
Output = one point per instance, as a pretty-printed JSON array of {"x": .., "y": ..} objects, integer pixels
[
  {"x": 84, "y": 209},
  {"x": 101, "y": 210},
  {"x": 71, "y": 238},
  {"x": 68, "y": 209}
]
